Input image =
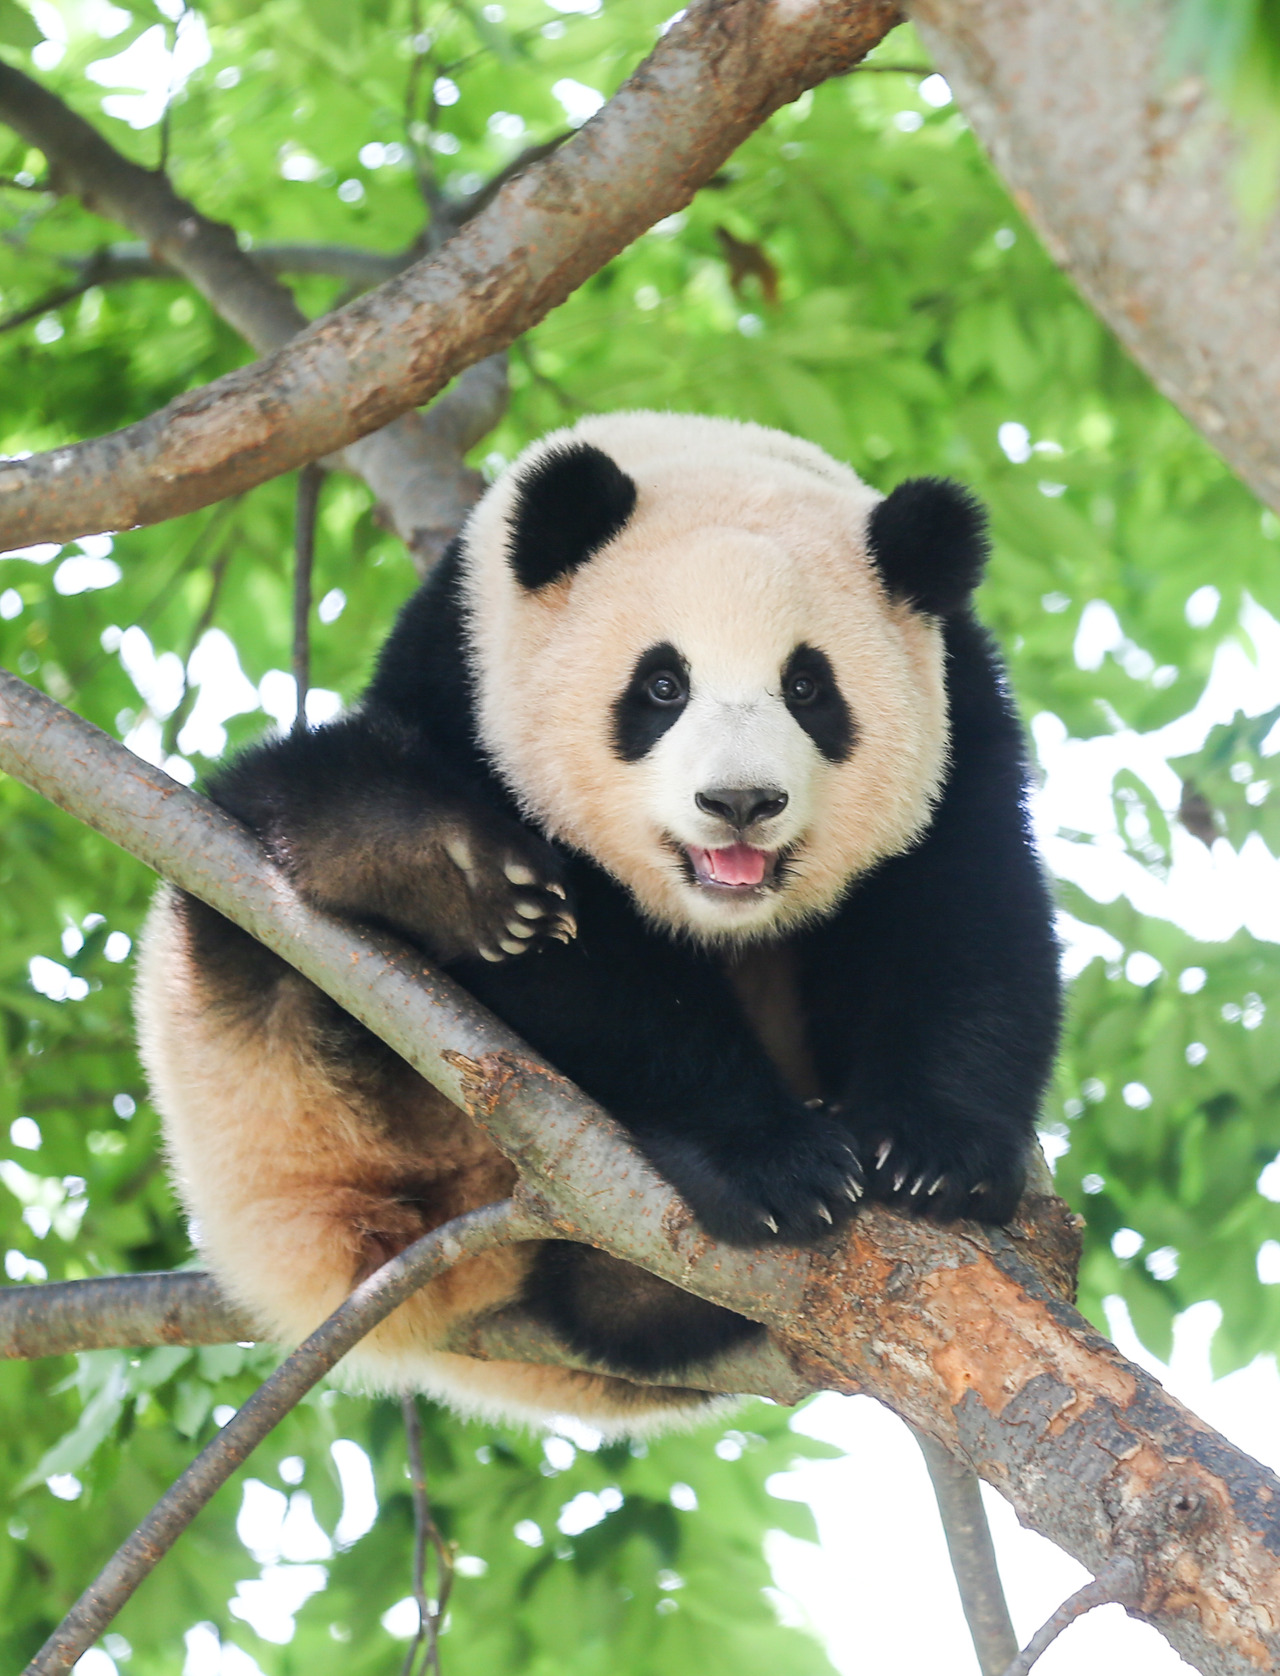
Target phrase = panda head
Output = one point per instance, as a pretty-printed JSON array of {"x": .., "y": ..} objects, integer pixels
[{"x": 711, "y": 658}]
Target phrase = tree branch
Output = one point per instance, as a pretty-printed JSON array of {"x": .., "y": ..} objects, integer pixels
[
  {"x": 116, "y": 264},
  {"x": 415, "y": 466},
  {"x": 973, "y": 1557},
  {"x": 128, "y": 1310},
  {"x": 711, "y": 80},
  {"x": 1119, "y": 1582},
  {"x": 371, "y": 1302},
  {"x": 962, "y": 1330},
  {"x": 1131, "y": 176}
]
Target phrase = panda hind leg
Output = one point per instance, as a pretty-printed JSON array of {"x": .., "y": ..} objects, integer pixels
[{"x": 623, "y": 1318}]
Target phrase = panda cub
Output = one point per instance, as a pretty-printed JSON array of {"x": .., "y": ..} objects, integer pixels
[{"x": 691, "y": 761}]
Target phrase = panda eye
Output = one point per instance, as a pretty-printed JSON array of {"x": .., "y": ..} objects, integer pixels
[
  {"x": 802, "y": 689},
  {"x": 664, "y": 687}
]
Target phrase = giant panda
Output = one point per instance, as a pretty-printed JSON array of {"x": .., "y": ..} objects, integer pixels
[{"x": 692, "y": 762}]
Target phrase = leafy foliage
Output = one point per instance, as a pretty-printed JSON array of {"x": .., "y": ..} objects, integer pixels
[{"x": 855, "y": 275}]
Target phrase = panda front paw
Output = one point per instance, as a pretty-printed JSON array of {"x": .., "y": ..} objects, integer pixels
[
  {"x": 795, "y": 1185},
  {"x": 978, "y": 1177},
  {"x": 515, "y": 896}
]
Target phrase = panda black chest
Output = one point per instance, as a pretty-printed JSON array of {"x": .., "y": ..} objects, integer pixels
[{"x": 766, "y": 981}]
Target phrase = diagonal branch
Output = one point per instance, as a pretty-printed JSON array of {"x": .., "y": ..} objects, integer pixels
[
  {"x": 415, "y": 466},
  {"x": 713, "y": 78},
  {"x": 959, "y": 1329}
]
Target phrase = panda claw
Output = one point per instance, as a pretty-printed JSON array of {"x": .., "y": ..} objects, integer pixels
[
  {"x": 770, "y": 1224},
  {"x": 937, "y": 1184},
  {"x": 569, "y": 924},
  {"x": 518, "y": 928},
  {"x": 530, "y": 910},
  {"x": 898, "y": 1181},
  {"x": 853, "y": 1190},
  {"x": 511, "y": 945},
  {"x": 557, "y": 890},
  {"x": 488, "y": 953},
  {"x": 813, "y": 1106},
  {"x": 982, "y": 1187},
  {"x": 916, "y": 1185},
  {"x": 825, "y": 1214},
  {"x": 882, "y": 1154},
  {"x": 459, "y": 853},
  {"x": 519, "y": 874}
]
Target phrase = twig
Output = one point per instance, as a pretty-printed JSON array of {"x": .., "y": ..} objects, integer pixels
[
  {"x": 371, "y": 1302},
  {"x": 425, "y": 1533},
  {"x": 177, "y": 719},
  {"x": 309, "y": 480},
  {"x": 1118, "y": 1583},
  {"x": 973, "y": 1556},
  {"x": 51, "y": 300}
]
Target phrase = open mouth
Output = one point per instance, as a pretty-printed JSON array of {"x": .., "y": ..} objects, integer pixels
[{"x": 738, "y": 870}]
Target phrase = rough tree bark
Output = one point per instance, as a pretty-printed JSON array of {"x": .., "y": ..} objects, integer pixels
[
  {"x": 962, "y": 1330},
  {"x": 712, "y": 79},
  {"x": 1129, "y": 176}
]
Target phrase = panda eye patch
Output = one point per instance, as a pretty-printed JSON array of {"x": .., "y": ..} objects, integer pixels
[
  {"x": 652, "y": 701},
  {"x": 665, "y": 687},
  {"x": 812, "y": 694}
]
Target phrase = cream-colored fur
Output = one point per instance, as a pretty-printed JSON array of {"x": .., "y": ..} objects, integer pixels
[
  {"x": 744, "y": 543},
  {"x": 283, "y": 1179}
]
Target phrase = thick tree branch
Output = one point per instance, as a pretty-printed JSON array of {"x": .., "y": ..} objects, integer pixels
[
  {"x": 371, "y": 1302},
  {"x": 961, "y": 1330},
  {"x": 1131, "y": 178},
  {"x": 712, "y": 79},
  {"x": 415, "y": 465}
]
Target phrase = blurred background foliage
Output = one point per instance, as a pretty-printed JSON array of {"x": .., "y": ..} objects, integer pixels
[{"x": 855, "y": 275}]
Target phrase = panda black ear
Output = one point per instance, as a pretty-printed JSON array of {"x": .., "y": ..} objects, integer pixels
[
  {"x": 929, "y": 542},
  {"x": 567, "y": 506}
]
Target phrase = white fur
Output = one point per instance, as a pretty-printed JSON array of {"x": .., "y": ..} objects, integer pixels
[{"x": 744, "y": 543}]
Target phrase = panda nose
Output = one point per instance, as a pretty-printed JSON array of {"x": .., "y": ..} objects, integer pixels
[{"x": 742, "y": 806}]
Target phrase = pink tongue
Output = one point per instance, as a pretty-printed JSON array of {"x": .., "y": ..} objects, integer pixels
[{"x": 738, "y": 865}]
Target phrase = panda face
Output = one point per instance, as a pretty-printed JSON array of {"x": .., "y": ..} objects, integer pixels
[{"x": 696, "y": 674}]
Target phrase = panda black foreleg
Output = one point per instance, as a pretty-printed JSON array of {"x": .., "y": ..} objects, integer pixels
[
  {"x": 374, "y": 825},
  {"x": 654, "y": 1032}
]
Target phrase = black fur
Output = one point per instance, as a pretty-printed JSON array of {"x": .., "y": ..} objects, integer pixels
[
  {"x": 929, "y": 541},
  {"x": 639, "y": 717},
  {"x": 931, "y": 996},
  {"x": 821, "y": 711},
  {"x": 572, "y": 502}
]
